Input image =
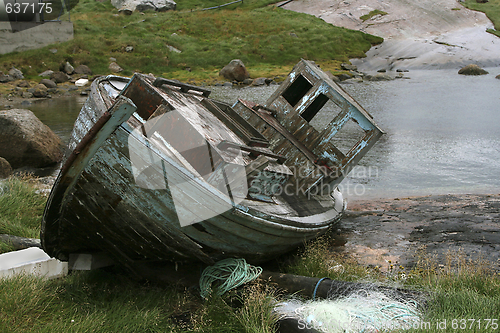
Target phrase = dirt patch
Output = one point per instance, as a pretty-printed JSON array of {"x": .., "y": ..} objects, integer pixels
[{"x": 393, "y": 229}]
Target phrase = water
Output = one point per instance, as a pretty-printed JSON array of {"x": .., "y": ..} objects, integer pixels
[
  {"x": 58, "y": 113},
  {"x": 442, "y": 132}
]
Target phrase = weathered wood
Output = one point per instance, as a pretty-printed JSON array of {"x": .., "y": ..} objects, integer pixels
[{"x": 154, "y": 185}]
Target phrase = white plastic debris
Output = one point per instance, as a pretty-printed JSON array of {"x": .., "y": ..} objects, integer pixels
[
  {"x": 81, "y": 82},
  {"x": 31, "y": 261}
]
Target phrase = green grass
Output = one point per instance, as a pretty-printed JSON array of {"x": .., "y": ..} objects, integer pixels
[
  {"x": 21, "y": 209},
  {"x": 102, "y": 301},
  {"x": 108, "y": 301},
  {"x": 491, "y": 9},
  {"x": 262, "y": 36},
  {"x": 372, "y": 14}
]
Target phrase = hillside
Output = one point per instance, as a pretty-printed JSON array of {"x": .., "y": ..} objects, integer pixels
[{"x": 268, "y": 39}]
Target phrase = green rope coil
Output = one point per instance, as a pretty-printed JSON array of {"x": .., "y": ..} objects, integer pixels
[{"x": 231, "y": 273}]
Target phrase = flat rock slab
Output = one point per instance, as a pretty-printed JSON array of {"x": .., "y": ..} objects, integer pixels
[{"x": 393, "y": 229}]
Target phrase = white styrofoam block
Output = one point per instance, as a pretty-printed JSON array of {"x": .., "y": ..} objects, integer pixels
[
  {"x": 31, "y": 261},
  {"x": 81, "y": 82}
]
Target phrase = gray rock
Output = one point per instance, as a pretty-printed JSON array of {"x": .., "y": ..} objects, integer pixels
[
  {"x": 83, "y": 69},
  {"x": 40, "y": 91},
  {"x": 68, "y": 69},
  {"x": 47, "y": 73},
  {"x": 332, "y": 77},
  {"x": 227, "y": 84},
  {"x": 343, "y": 77},
  {"x": 129, "y": 6},
  {"x": 5, "y": 168},
  {"x": 48, "y": 83},
  {"x": 173, "y": 49},
  {"x": 16, "y": 74},
  {"x": 115, "y": 68},
  {"x": 112, "y": 59},
  {"x": 23, "y": 84},
  {"x": 294, "y": 35},
  {"x": 472, "y": 70},
  {"x": 26, "y": 141},
  {"x": 53, "y": 51},
  {"x": 349, "y": 67},
  {"x": 59, "y": 77},
  {"x": 235, "y": 70},
  {"x": 353, "y": 80},
  {"x": 27, "y": 94},
  {"x": 260, "y": 81},
  {"x": 379, "y": 77},
  {"x": 5, "y": 78},
  {"x": 129, "y": 49},
  {"x": 247, "y": 81}
]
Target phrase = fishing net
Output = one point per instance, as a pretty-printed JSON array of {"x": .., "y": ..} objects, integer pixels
[{"x": 355, "y": 307}]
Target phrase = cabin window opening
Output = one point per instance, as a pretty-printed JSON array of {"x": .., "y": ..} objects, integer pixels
[
  {"x": 314, "y": 107},
  {"x": 348, "y": 136},
  {"x": 325, "y": 116},
  {"x": 294, "y": 93}
]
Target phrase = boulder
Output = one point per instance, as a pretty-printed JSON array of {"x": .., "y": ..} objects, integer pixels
[
  {"x": 26, "y": 141},
  {"x": 5, "y": 78},
  {"x": 23, "y": 84},
  {"x": 59, "y": 77},
  {"x": 67, "y": 68},
  {"x": 379, "y": 77},
  {"x": 343, "y": 77},
  {"x": 128, "y": 6},
  {"x": 16, "y": 74},
  {"x": 83, "y": 69},
  {"x": 40, "y": 91},
  {"x": 48, "y": 83},
  {"x": 5, "y": 168},
  {"x": 115, "y": 68},
  {"x": 47, "y": 73},
  {"x": 349, "y": 67},
  {"x": 472, "y": 70},
  {"x": 235, "y": 70},
  {"x": 260, "y": 81}
]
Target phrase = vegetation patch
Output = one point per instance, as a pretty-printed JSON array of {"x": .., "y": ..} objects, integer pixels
[
  {"x": 372, "y": 14},
  {"x": 491, "y": 9},
  {"x": 21, "y": 209},
  {"x": 267, "y": 38}
]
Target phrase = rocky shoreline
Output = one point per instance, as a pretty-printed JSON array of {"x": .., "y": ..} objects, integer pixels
[{"x": 383, "y": 231}]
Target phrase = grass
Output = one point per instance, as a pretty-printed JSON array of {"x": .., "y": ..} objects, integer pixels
[
  {"x": 109, "y": 301},
  {"x": 21, "y": 209},
  {"x": 491, "y": 9},
  {"x": 460, "y": 289},
  {"x": 372, "y": 14},
  {"x": 268, "y": 39},
  {"x": 102, "y": 301}
]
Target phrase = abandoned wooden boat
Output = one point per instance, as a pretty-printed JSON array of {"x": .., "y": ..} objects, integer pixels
[{"x": 158, "y": 171}]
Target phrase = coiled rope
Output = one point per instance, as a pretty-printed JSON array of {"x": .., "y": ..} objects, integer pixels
[{"x": 230, "y": 273}]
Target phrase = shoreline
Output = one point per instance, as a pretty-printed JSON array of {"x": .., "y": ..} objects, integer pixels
[{"x": 382, "y": 230}]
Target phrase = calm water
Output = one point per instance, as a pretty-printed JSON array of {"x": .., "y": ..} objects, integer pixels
[{"x": 442, "y": 132}]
